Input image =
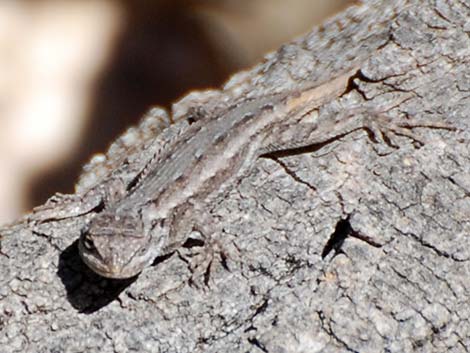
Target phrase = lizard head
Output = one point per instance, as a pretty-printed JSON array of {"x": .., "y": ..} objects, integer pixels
[{"x": 116, "y": 245}]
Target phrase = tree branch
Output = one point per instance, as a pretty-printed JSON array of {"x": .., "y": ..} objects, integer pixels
[{"x": 354, "y": 246}]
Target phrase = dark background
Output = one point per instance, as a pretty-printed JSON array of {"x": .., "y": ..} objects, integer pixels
[{"x": 163, "y": 50}]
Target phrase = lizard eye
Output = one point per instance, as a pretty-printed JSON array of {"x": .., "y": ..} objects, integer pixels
[{"x": 88, "y": 243}]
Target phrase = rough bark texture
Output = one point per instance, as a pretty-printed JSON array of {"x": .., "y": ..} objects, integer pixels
[{"x": 354, "y": 246}]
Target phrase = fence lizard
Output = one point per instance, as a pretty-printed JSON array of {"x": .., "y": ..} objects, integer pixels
[{"x": 153, "y": 215}]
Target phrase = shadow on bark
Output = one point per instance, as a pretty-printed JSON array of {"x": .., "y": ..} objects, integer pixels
[{"x": 87, "y": 292}]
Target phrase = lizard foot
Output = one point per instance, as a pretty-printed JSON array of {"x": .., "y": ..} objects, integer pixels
[
  {"x": 204, "y": 256},
  {"x": 382, "y": 127}
]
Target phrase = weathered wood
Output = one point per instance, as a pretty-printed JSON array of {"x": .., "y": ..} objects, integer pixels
[{"x": 355, "y": 246}]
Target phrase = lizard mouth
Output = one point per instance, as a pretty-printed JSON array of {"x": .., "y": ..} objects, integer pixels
[
  {"x": 97, "y": 265},
  {"x": 113, "y": 272}
]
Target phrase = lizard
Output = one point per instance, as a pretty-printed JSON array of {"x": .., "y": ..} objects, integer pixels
[{"x": 153, "y": 215}]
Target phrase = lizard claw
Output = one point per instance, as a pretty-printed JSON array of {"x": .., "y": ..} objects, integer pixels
[
  {"x": 382, "y": 127},
  {"x": 204, "y": 261}
]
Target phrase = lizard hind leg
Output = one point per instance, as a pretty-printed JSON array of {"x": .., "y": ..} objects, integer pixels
[
  {"x": 380, "y": 126},
  {"x": 384, "y": 127}
]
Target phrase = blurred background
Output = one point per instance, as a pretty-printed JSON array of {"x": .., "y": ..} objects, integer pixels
[{"x": 75, "y": 74}]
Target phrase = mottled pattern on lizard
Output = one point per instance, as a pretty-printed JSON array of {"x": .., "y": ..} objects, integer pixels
[{"x": 166, "y": 202}]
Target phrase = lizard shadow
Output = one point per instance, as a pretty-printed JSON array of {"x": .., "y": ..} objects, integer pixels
[{"x": 86, "y": 291}]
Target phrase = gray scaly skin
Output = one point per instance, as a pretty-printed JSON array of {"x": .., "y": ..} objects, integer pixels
[{"x": 166, "y": 201}]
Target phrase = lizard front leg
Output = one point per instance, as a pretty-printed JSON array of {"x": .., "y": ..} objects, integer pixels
[
  {"x": 193, "y": 233},
  {"x": 62, "y": 206}
]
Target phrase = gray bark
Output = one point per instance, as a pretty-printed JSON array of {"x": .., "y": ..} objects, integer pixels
[{"x": 354, "y": 246}]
